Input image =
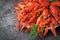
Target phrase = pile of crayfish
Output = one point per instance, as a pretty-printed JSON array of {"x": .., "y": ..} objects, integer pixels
[{"x": 43, "y": 13}]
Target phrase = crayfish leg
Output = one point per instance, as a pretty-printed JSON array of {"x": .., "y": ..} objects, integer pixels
[
  {"x": 53, "y": 29},
  {"x": 28, "y": 29},
  {"x": 23, "y": 26},
  {"x": 39, "y": 33},
  {"x": 17, "y": 25},
  {"x": 46, "y": 30}
]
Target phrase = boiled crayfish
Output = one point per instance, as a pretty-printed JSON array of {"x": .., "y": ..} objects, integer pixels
[{"x": 43, "y": 13}]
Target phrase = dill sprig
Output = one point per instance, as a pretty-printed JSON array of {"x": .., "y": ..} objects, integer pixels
[
  {"x": 33, "y": 32},
  {"x": 52, "y": 0}
]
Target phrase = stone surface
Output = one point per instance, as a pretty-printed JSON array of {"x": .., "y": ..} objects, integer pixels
[{"x": 8, "y": 21}]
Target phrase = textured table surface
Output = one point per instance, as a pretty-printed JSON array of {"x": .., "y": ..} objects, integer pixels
[{"x": 8, "y": 21}]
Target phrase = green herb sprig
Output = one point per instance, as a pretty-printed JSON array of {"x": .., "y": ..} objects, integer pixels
[
  {"x": 52, "y": 0},
  {"x": 33, "y": 32}
]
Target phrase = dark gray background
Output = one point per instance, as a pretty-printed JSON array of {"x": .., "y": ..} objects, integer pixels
[{"x": 8, "y": 21}]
